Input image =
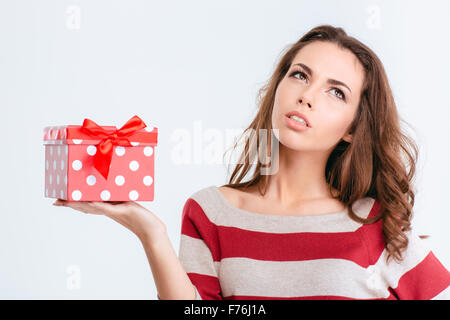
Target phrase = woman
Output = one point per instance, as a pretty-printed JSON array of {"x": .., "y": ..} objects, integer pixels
[{"x": 332, "y": 217}]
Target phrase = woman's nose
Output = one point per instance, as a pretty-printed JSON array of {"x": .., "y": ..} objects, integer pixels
[{"x": 302, "y": 100}]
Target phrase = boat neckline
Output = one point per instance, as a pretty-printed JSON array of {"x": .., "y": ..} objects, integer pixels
[{"x": 231, "y": 206}]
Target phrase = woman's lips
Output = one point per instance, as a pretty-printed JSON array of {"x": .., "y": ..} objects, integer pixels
[{"x": 295, "y": 125}]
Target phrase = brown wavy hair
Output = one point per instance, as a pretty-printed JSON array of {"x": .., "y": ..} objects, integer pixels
[{"x": 380, "y": 161}]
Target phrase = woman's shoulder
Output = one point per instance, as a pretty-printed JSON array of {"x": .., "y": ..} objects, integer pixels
[
  {"x": 205, "y": 201},
  {"x": 233, "y": 195}
]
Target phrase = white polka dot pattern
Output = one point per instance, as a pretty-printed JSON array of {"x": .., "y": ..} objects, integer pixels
[
  {"x": 105, "y": 195},
  {"x": 134, "y": 165},
  {"x": 77, "y": 165},
  {"x": 91, "y": 180},
  {"x": 70, "y": 172},
  {"x": 134, "y": 195},
  {"x": 148, "y": 180},
  {"x": 120, "y": 180},
  {"x": 55, "y": 171},
  {"x": 148, "y": 151},
  {"x": 120, "y": 151},
  {"x": 76, "y": 195},
  {"x": 91, "y": 150}
]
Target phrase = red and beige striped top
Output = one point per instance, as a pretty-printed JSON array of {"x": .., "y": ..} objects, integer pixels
[{"x": 231, "y": 253}]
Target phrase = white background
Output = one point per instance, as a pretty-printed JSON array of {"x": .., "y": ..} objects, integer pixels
[{"x": 178, "y": 64}]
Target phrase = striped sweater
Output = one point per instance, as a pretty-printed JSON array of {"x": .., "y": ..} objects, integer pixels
[{"x": 231, "y": 253}]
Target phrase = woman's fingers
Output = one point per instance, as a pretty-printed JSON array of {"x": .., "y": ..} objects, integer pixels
[
  {"x": 112, "y": 208},
  {"x": 108, "y": 208},
  {"x": 130, "y": 214},
  {"x": 83, "y": 206}
]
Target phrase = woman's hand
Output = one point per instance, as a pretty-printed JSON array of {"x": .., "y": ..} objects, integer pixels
[{"x": 142, "y": 222}]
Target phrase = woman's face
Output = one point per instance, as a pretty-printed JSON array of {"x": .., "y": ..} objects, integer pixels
[{"x": 329, "y": 106}]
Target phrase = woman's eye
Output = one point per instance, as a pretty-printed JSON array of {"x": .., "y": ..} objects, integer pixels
[
  {"x": 302, "y": 74},
  {"x": 339, "y": 94}
]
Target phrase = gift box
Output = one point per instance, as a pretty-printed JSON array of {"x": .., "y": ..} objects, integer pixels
[{"x": 100, "y": 163}]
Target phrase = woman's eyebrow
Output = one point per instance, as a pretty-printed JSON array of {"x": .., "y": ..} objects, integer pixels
[{"x": 330, "y": 81}]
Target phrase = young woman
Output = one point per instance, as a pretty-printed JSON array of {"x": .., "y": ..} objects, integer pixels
[{"x": 331, "y": 221}]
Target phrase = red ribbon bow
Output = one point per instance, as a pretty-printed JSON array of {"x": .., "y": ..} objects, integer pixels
[{"x": 103, "y": 156}]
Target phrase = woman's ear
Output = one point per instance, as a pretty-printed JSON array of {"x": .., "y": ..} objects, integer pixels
[{"x": 347, "y": 137}]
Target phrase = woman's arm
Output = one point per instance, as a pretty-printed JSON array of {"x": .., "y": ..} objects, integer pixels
[
  {"x": 170, "y": 278},
  {"x": 200, "y": 251}
]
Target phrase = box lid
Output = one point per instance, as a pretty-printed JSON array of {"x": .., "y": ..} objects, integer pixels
[{"x": 71, "y": 134}]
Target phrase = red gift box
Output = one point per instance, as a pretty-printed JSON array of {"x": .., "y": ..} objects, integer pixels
[{"x": 100, "y": 163}]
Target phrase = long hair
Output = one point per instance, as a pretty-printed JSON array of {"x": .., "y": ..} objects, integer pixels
[{"x": 379, "y": 162}]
